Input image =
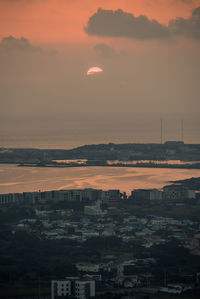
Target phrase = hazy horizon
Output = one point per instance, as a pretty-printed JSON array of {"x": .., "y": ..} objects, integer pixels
[{"x": 149, "y": 53}]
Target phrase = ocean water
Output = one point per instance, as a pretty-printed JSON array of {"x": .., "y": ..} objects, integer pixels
[{"x": 24, "y": 179}]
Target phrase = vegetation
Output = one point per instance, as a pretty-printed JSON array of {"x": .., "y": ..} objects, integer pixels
[{"x": 187, "y": 211}]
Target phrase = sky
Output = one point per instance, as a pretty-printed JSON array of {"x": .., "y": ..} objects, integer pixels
[{"x": 149, "y": 53}]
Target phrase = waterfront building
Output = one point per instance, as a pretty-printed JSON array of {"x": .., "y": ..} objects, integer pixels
[
  {"x": 146, "y": 194},
  {"x": 174, "y": 192},
  {"x": 113, "y": 194},
  {"x": 10, "y": 198}
]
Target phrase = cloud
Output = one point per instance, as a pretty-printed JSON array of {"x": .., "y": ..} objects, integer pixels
[
  {"x": 187, "y": 1},
  {"x": 117, "y": 23},
  {"x": 22, "y": 1},
  {"x": 188, "y": 27},
  {"x": 105, "y": 51},
  {"x": 11, "y": 43}
]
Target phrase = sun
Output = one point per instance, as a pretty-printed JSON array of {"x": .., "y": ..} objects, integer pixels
[{"x": 94, "y": 70}]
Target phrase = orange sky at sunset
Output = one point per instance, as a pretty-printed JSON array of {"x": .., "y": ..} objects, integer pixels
[
  {"x": 149, "y": 53},
  {"x": 62, "y": 21}
]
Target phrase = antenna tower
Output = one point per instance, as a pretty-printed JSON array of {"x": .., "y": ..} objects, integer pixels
[
  {"x": 161, "y": 131},
  {"x": 181, "y": 129}
]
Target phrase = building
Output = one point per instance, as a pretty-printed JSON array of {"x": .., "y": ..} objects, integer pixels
[
  {"x": 130, "y": 281},
  {"x": 60, "y": 288},
  {"x": 92, "y": 194},
  {"x": 111, "y": 195},
  {"x": 93, "y": 210},
  {"x": 10, "y": 198},
  {"x": 175, "y": 288},
  {"x": 175, "y": 192},
  {"x": 146, "y": 194},
  {"x": 84, "y": 289},
  {"x": 74, "y": 287},
  {"x": 126, "y": 268},
  {"x": 81, "y": 195},
  {"x": 88, "y": 267},
  {"x": 69, "y": 195}
]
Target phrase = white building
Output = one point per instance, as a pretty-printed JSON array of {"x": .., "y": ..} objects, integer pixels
[
  {"x": 60, "y": 288},
  {"x": 175, "y": 288},
  {"x": 84, "y": 289},
  {"x": 87, "y": 267},
  {"x": 94, "y": 210},
  {"x": 72, "y": 286}
]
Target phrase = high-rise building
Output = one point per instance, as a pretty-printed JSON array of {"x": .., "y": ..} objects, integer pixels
[{"x": 72, "y": 286}]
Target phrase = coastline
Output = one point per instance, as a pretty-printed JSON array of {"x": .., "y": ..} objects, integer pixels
[{"x": 145, "y": 165}]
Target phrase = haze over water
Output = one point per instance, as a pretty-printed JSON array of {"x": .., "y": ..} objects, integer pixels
[
  {"x": 102, "y": 129},
  {"x": 27, "y": 179},
  {"x": 149, "y": 53}
]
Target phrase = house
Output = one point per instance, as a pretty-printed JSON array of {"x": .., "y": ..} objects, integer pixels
[
  {"x": 87, "y": 267},
  {"x": 175, "y": 288},
  {"x": 128, "y": 281}
]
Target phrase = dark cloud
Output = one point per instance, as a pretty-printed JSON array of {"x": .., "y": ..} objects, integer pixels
[
  {"x": 23, "y": 1},
  {"x": 11, "y": 43},
  {"x": 117, "y": 23},
  {"x": 187, "y": 1},
  {"x": 188, "y": 27},
  {"x": 105, "y": 51}
]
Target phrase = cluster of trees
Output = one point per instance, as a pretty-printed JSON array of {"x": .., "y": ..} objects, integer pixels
[
  {"x": 24, "y": 256},
  {"x": 15, "y": 213}
]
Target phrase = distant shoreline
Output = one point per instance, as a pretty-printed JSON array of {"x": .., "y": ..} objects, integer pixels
[
  {"x": 137, "y": 165},
  {"x": 171, "y": 154},
  {"x": 144, "y": 165}
]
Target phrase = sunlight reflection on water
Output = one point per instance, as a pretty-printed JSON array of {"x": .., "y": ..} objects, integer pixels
[{"x": 24, "y": 179}]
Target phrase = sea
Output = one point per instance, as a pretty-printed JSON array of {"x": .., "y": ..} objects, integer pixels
[{"x": 15, "y": 179}]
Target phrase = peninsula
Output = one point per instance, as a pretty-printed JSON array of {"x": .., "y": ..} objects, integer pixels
[{"x": 171, "y": 154}]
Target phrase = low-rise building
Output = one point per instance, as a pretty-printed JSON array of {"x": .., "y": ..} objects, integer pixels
[
  {"x": 126, "y": 268},
  {"x": 129, "y": 281},
  {"x": 94, "y": 209},
  {"x": 88, "y": 267}
]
